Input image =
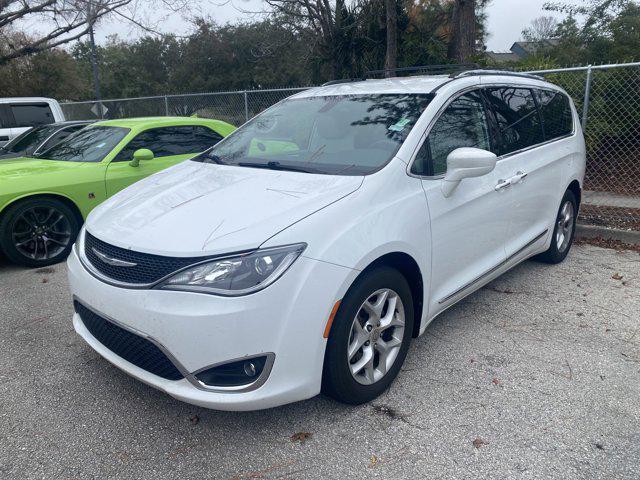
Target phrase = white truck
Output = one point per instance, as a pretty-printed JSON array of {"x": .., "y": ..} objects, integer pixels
[{"x": 20, "y": 113}]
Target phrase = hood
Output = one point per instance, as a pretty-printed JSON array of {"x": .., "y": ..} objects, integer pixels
[
  {"x": 197, "y": 209},
  {"x": 26, "y": 167}
]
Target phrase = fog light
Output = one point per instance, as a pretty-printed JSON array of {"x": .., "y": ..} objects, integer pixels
[{"x": 233, "y": 374}]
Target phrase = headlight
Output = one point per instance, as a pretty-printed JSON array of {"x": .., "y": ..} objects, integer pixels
[{"x": 237, "y": 275}]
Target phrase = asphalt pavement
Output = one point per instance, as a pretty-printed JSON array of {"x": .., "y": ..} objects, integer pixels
[{"x": 535, "y": 376}]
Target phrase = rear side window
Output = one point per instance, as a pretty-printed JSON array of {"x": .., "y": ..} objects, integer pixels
[
  {"x": 31, "y": 114},
  {"x": 517, "y": 118},
  {"x": 168, "y": 141},
  {"x": 555, "y": 110},
  {"x": 462, "y": 124}
]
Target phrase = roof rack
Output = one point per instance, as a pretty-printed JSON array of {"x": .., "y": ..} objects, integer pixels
[
  {"x": 422, "y": 69},
  {"x": 508, "y": 73},
  {"x": 343, "y": 80}
]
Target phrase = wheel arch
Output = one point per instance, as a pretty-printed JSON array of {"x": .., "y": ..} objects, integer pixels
[
  {"x": 409, "y": 268},
  {"x": 576, "y": 189},
  {"x": 57, "y": 196}
]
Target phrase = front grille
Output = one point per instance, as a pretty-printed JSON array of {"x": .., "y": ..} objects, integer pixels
[
  {"x": 148, "y": 269},
  {"x": 127, "y": 345}
]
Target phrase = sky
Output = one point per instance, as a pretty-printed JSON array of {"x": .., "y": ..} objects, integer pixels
[{"x": 506, "y": 19}]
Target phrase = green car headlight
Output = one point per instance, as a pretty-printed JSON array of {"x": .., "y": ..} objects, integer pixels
[{"x": 236, "y": 275}]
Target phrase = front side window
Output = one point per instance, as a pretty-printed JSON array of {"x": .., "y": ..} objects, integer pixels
[
  {"x": 555, "y": 111},
  {"x": 90, "y": 144},
  {"x": 462, "y": 124},
  {"x": 168, "y": 141},
  {"x": 336, "y": 135},
  {"x": 517, "y": 118},
  {"x": 28, "y": 115}
]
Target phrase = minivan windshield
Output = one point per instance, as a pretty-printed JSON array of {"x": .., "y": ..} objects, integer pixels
[
  {"x": 30, "y": 140},
  {"x": 337, "y": 135},
  {"x": 90, "y": 144}
]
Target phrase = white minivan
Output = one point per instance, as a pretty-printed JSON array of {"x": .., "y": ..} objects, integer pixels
[
  {"x": 304, "y": 252},
  {"x": 19, "y": 114}
]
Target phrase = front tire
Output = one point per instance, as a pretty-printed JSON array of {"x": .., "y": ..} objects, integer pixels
[
  {"x": 37, "y": 232},
  {"x": 563, "y": 232},
  {"x": 370, "y": 337}
]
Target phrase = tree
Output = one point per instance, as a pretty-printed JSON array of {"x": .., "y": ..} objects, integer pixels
[
  {"x": 391, "y": 59},
  {"x": 65, "y": 21},
  {"x": 462, "y": 45},
  {"x": 541, "y": 28}
]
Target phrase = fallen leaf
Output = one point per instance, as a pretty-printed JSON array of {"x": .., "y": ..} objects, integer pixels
[
  {"x": 478, "y": 442},
  {"x": 374, "y": 461},
  {"x": 599, "y": 446},
  {"x": 495, "y": 381},
  {"x": 301, "y": 437},
  {"x": 45, "y": 280},
  {"x": 194, "y": 419},
  {"x": 617, "y": 276}
]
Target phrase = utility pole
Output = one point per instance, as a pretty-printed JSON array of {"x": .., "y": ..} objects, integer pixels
[{"x": 94, "y": 59}]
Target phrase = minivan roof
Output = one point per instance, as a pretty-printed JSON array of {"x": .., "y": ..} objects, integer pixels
[{"x": 417, "y": 84}]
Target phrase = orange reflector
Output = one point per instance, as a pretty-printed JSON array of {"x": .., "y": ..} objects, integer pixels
[{"x": 334, "y": 310}]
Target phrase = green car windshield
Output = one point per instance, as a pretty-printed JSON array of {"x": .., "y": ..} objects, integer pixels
[
  {"x": 338, "y": 135},
  {"x": 90, "y": 144},
  {"x": 31, "y": 139}
]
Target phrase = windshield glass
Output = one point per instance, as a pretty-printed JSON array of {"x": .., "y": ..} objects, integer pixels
[
  {"x": 30, "y": 140},
  {"x": 90, "y": 144},
  {"x": 340, "y": 135}
]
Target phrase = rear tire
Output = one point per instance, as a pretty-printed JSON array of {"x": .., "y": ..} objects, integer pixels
[
  {"x": 563, "y": 232},
  {"x": 36, "y": 232},
  {"x": 368, "y": 342}
]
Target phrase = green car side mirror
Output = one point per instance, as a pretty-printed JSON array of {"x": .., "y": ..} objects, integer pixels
[{"x": 139, "y": 155}]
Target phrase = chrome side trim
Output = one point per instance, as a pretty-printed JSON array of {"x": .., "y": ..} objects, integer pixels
[
  {"x": 492, "y": 270},
  {"x": 190, "y": 376}
]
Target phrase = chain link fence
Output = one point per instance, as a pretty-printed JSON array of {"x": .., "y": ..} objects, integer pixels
[{"x": 607, "y": 98}]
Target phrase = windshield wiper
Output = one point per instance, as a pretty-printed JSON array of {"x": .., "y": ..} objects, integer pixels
[{"x": 278, "y": 166}]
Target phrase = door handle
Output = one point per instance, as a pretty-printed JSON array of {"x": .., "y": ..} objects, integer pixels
[
  {"x": 502, "y": 184},
  {"x": 518, "y": 177}
]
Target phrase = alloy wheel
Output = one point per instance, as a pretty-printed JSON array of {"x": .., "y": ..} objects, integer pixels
[
  {"x": 564, "y": 229},
  {"x": 41, "y": 233},
  {"x": 376, "y": 336}
]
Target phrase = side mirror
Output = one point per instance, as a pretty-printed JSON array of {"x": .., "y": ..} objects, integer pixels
[
  {"x": 466, "y": 163},
  {"x": 140, "y": 155}
]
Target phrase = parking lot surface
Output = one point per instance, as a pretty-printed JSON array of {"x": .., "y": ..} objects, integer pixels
[{"x": 535, "y": 376}]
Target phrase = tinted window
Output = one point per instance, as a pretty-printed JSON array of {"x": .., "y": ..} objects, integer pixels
[
  {"x": 28, "y": 115},
  {"x": 517, "y": 118},
  {"x": 91, "y": 144},
  {"x": 462, "y": 124},
  {"x": 555, "y": 110},
  {"x": 336, "y": 134},
  {"x": 167, "y": 141}
]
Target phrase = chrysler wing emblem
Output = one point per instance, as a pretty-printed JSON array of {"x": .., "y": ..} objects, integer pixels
[{"x": 113, "y": 261}]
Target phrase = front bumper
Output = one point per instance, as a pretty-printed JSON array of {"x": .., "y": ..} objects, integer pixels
[{"x": 199, "y": 330}]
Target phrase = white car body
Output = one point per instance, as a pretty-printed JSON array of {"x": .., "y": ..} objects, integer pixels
[
  {"x": 457, "y": 242},
  {"x": 18, "y": 114}
]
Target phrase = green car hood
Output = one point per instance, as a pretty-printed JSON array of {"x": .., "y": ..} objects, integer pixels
[{"x": 24, "y": 168}]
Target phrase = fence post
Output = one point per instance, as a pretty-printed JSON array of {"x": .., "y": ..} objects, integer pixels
[
  {"x": 587, "y": 94},
  {"x": 166, "y": 105},
  {"x": 246, "y": 106}
]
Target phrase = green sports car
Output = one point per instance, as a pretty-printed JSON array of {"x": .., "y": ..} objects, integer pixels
[{"x": 45, "y": 199}]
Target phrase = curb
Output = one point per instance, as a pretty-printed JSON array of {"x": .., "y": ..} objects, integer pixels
[{"x": 591, "y": 231}]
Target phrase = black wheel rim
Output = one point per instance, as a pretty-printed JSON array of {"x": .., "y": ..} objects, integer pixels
[{"x": 41, "y": 233}]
